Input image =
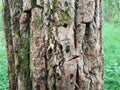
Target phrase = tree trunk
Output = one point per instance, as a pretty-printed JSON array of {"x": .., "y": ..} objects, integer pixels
[{"x": 54, "y": 44}]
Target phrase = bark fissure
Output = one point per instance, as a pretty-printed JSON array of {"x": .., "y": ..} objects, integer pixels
[
  {"x": 46, "y": 72},
  {"x": 26, "y": 42},
  {"x": 77, "y": 86},
  {"x": 75, "y": 24},
  {"x": 74, "y": 57}
]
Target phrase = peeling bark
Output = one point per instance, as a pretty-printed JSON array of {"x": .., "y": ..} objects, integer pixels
[{"x": 55, "y": 44}]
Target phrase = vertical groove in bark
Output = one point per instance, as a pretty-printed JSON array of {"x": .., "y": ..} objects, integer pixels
[
  {"x": 77, "y": 79},
  {"x": 21, "y": 33},
  {"x": 46, "y": 71},
  {"x": 24, "y": 49},
  {"x": 9, "y": 46},
  {"x": 91, "y": 45},
  {"x": 76, "y": 43}
]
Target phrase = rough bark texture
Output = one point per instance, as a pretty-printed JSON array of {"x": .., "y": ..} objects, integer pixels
[
  {"x": 9, "y": 45},
  {"x": 54, "y": 44}
]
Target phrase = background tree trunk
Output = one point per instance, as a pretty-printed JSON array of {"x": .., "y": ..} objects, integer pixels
[{"x": 54, "y": 44}]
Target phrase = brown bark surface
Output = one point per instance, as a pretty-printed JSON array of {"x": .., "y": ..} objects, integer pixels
[{"x": 54, "y": 44}]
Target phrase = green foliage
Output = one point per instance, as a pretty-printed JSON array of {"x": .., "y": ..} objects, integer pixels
[
  {"x": 3, "y": 58},
  {"x": 3, "y": 64},
  {"x": 111, "y": 9},
  {"x": 38, "y": 20},
  {"x": 55, "y": 5},
  {"x": 33, "y": 3},
  {"x": 111, "y": 30},
  {"x": 65, "y": 17},
  {"x": 112, "y": 56}
]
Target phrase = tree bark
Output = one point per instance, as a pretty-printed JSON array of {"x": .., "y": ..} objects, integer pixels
[
  {"x": 54, "y": 44},
  {"x": 9, "y": 46}
]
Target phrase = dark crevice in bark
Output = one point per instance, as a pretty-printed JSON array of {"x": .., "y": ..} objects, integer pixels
[
  {"x": 65, "y": 25},
  {"x": 91, "y": 72},
  {"x": 37, "y": 87},
  {"x": 100, "y": 29},
  {"x": 87, "y": 32},
  {"x": 28, "y": 11},
  {"x": 71, "y": 76},
  {"x": 96, "y": 11},
  {"x": 101, "y": 48},
  {"x": 85, "y": 43},
  {"x": 46, "y": 72},
  {"x": 85, "y": 48},
  {"x": 77, "y": 86},
  {"x": 24, "y": 55},
  {"x": 67, "y": 48},
  {"x": 54, "y": 77},
  {"x": 74, "y": 57},
  {"x": 75, "y": 23},
  {"x": 29, "y": 14}
]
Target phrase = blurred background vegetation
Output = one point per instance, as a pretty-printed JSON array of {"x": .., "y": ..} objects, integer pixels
[
  {"x": 3, "y": 58},
  {"x": 111, "y": 44},
  {"x": 111, "y": 35}
]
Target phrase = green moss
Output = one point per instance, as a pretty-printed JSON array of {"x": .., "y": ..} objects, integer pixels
[
  {"x": 24, "y": 54},
  {"x": 18, "y": 6},
  {"x": 38, "y": 20},
  {"x": 33, "y": 3},
  {"x": 18, "y": 32},
  {"x": 55, "y": 6},
  {"x": 48, "y": 9},
  {"x": 24, "y": 63},
  {"x": 64, "y": 18}
]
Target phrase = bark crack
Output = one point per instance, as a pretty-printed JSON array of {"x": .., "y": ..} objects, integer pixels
[
  {"x": 77, "y": 86},
  {"x": 75, "y": 23},
  {"x": 74, "y": 57},
  {"x": 46, "y": 72},
  {"x": 25, "y": 49}
]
